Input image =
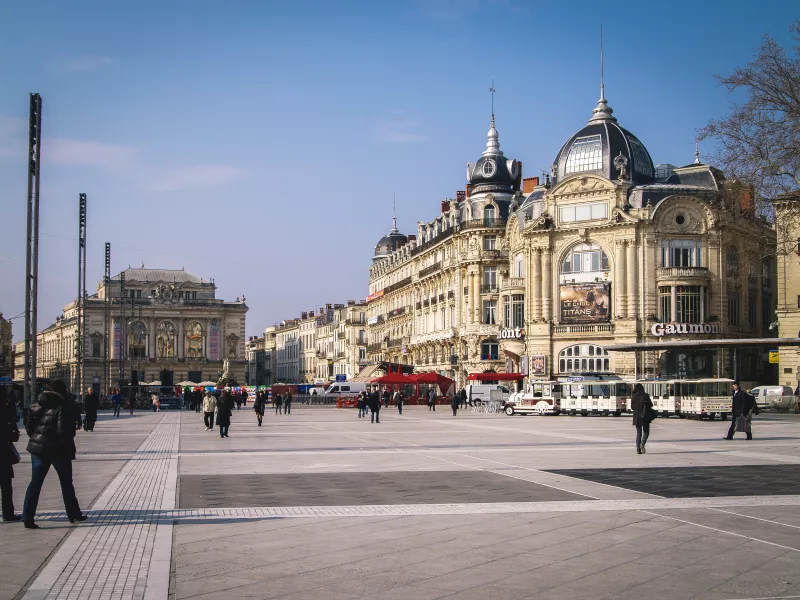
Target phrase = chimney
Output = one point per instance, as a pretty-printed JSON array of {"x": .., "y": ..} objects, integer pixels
[
  {"x": 461, "y": 195},
  {"x": 304, "y": 315},
  {"x": 351, "y": 303},
  {"x": 528, "y": 184},
  {"x": 328, "y": 306},
  {"x": 468, "y": 190},
  {"x": 445, "y": 206},
  {"x": 412, "y": 238}
]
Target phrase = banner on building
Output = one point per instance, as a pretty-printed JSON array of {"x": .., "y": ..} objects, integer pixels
[
  {"x": 213, "y": 341},
  {"x": 585, "y": 303},
  {"x": 117, "y": 339},
  {"x": 538, "y": 365}
]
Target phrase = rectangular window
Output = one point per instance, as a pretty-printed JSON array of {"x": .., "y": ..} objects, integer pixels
[
  {"x": 766, "y": 310},
  {"x": 588, "y": 211},
  {"x": 681, "y": 253},
  {"x": 490, "y": 242},
  {"x": 752, "y": 299},
  {"x": 665, "y": 304},
  {"x": 507, "y": 312},
  {"x": 687, "y": 304},
  {"x": 95, "y": 348},
  {"x": 490, "y": 312},
  {"x": 490, "y": 277},
  {"x": 733, "y": 305},
  {"x": 518, "y": 310},
  {"x": 518, "y": 266},
  {"x": 489, "y": 351}
]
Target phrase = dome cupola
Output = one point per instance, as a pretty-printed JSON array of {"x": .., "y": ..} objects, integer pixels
[
  {"x": 604, "y": 148},
  {"x": 493, "y": 172},
  {"x": 392, "y": 241}
]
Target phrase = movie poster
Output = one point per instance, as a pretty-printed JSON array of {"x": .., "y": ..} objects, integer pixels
[
  {"x": 538, "y": 365},
  {"x": 585, "y": 303}
]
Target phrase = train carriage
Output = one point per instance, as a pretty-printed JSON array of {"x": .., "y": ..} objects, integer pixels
[{"x": 700, "y": 398}]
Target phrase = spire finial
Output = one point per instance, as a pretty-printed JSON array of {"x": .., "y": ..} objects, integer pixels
[
  {"x": 602, "y": 67},
  {"x": 492, "y": 91},
  {"x": 394, "y": 211},
  {"x": 696, "y": 152}
]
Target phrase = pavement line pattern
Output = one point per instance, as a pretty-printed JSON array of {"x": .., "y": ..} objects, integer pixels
[
  {"x": 725, "y": 531},
  {"x": 123, "y": 551},
  {"x": 730, "y": 512},
  {"x": 467, "y": 508}
]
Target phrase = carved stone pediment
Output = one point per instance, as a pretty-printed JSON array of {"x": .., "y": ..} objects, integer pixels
[
  {"x": 676, "y": 215},
  {"x": 584, "y": 185}
]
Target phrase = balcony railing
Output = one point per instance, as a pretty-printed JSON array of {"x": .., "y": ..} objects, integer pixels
[
  {"x": 433, "y": 300},
  {"x": 397, "y": 285},
  {"x": 419, "y": 305},
  {"x": 599, "y": 328},
  {"x": 430, "y": 270},
  {"x": 340, "y": 355},
  {"x": 451, "y": 294},
  {"x": 394, "y": 343},
  {"x": 441, "y": 297},
  {"x": 432, "y": 242},
  {"x": 396, "y": 312},
  {"x": 682, "y": 273},
  {"x": 426, "y": 302},
  {"x": 489, "y": 288},
  {"x": 510, "y": 283},
  {"x": 341, "y": 335},
  {"x": 374, "y": 348},
  {"x": 483, "y": 224}
]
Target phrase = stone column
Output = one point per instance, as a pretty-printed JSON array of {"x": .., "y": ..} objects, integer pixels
[
  {"x": 536, "y": 287},
  {"x": 151, "y": 350},
  {"x": 547, "y": 284},
  {"x": 478, "y": 303},
  {"x": 620, "y": 308},
  {"x": 673, "y": 317},
  {"x": 702, "y": 303},
  {"x": 180, "y": 351},
  {"x": 633, "y": 280}
]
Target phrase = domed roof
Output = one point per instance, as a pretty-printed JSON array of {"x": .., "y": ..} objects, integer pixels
[
  {"x": 493, "y": 172},
  {"x": 389, "y": 243},
  {"x": 604, "y": 148}
]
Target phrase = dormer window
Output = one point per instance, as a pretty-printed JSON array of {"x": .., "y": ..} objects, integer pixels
[{"x": 586, "y": 154}]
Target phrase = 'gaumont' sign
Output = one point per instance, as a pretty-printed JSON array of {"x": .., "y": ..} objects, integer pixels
[{"x": 660, "y": 329}]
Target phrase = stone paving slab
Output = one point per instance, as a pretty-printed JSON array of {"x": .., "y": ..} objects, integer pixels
[{"x": 699, "y": 482}]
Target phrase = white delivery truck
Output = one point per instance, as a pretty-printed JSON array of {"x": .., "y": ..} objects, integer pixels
[{"x": 481, "y": 393}]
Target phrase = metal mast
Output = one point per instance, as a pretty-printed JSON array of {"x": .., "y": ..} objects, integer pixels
[
  {"x": 81, "y": 337},
  {"x": 106, "y": 321},
  {"x": 122, "y": 330},
  {"x": 32, "y": 247}
]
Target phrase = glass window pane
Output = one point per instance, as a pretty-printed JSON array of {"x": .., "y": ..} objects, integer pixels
[
  {"x": 586, "y": 154},
  {"x": 583, "y": 212}
]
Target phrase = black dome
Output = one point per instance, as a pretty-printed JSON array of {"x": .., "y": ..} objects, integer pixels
[
  {"x": 602, "y": 147},
  {"x": 389, "y": 243},
  {"x": 493, "y": 172}
]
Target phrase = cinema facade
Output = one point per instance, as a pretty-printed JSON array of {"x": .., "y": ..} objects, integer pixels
[{"x": 539, "y": 277}]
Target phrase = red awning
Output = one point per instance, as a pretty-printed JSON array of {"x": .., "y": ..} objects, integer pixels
[
  {"x": 445, "y": 383},
  {"x": 394, "y": 378},
  {"x": 495, "y": 377}
]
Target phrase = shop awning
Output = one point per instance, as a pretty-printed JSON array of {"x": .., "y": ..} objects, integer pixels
[
  {"x": 709, "y": 344},
  {"x": 444, "y": 383},
  {"x": 395, "y": 379},
  {"x": 495, "y": 377}
]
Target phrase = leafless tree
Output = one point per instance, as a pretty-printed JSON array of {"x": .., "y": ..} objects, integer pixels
[{"x": 758, "y": 143}]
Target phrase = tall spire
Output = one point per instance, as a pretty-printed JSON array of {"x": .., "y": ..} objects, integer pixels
[
  {"x": 493, "y": 141},
  {"x": 602, "y": 112},
  {"x": 394, "y": 212},
  {"x": 696, "y": 152}
]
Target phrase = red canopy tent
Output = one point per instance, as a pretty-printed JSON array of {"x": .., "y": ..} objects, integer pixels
[
  {"x": 445, "y": 383},
  {"x": 495, "y": 377},
  {"x": 394, "y": 379}
]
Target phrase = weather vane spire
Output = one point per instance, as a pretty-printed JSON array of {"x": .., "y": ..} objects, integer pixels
[
  {"x": 492, "y": 91},
  {"x": 602, "y": 67},
  {"x": 696, "y": 152},
  {"x": 394, "y": 211}
]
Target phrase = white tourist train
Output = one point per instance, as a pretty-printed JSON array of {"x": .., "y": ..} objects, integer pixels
[
  {"x": 701, "y": 398},
  {"x": 584, "y": 395}
]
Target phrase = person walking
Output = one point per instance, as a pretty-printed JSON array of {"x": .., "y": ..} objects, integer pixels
[
  {"x": 463, "y": 398},
  {"x": 198, "y": 400},
  {"x": 374, "y": 403},
  {"x": 131, "y": 400},
  {"x": 259, "y": 405},
  {"x": 641, "y": 407},
  {"x": 386, "y": 398},
  {"x": 244, "y": 398},
  {"x": 90, "y": 404},
  {"x": 742, "y": 405},
  {"x": 361, "y": 403},
  {"x": 224, "y": 412},
  {"x": 287, "y": 403},
  {"x": 454, "y": 402},
  {"x": 432, "y": 399},
  {"x": 9, "y": 434},
  {"x": 116, "y": 401},
  {"x": 209, "y": 406},
  {"x": 398, "y": 401},
  {"x": 278, "y": 401},
  {"x": 51, "y": 425}
]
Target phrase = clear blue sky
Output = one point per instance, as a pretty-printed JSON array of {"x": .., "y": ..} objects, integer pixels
[{"x": 260, "y": 143}]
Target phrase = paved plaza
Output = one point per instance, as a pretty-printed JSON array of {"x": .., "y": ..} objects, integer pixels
[{"x": 321, "y": 504}]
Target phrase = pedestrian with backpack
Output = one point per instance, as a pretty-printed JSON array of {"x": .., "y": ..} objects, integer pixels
[{"x": 643, "y": 415}]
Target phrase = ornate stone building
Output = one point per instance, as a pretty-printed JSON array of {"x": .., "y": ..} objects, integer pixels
[
  {"x": 787, "y": 213},
  {"x": 609, "y": 249},
  {"x": 168, "y": 326}
]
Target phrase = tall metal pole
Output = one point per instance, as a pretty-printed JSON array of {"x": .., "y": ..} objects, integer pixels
[
  {"x": 32, "y": 246},
  {"x": 122, "y": 330},
  {"x": 80, "y": 351},
  {"x": 107, "y": 333}
]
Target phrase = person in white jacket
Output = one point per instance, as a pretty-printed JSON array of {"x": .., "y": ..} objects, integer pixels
[{"x": 209, "y": 406}]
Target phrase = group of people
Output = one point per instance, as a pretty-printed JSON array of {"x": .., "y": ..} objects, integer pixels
[
  {"x": 51, "y": 423},
  {"x": 743, "y": 407},
  {"x": 282, "y": 401},
  {"x": 219, "y": 408}
]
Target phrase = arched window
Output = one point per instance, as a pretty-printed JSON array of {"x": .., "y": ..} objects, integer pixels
[
  {"x": 585, "y": 258},
  {"x": 165, "y": 342},
  {"x": 584, "y": 358},
  {"x": 194, "y": 340},
  {"x": 488, "y": 215},
  {"x": 137, "y": 339}
]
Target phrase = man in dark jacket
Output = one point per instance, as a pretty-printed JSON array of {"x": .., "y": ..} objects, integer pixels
[
  {"x": 287, "y": 403},
  {"x": 742, "y": 404},
  {"x": 9, "y": 434},
  {"x": 385, "y": 397},
  {"x": 640, "y": 404},
  {"x": 259, "y": 406},
  {"x": 90, "y": 404},
  {"x": 432, "y": 399},
  {"x": 51, "y": 425},
  {"x": 374, "y": 403}
]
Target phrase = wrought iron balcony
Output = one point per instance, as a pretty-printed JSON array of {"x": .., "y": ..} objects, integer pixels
[
  {"x": 513, "y": 283},
  {"x": 430, "y": 270},
  {"x": 489, "y": 288},
  {"x": 483, "y": 224}
]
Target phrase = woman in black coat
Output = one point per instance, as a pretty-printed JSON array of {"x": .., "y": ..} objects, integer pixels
[
  {"x": 454, "y": 402},
  {"x": 640, "y": 403},
  {"x": 259, "y": 406},
  {"x": 224, "y": 410},
  {"x": 9, "y": 433}
]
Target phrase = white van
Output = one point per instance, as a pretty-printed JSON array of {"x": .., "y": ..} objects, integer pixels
[
  {"x": 347, "y": 389},
  {"x": 478, "y": 393},
  {"x": 780, "y": 397}
]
